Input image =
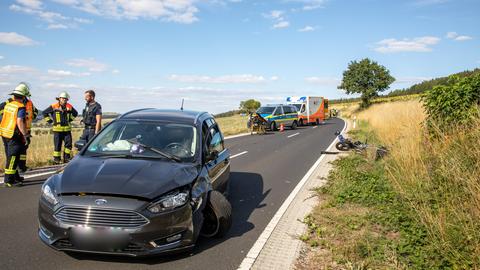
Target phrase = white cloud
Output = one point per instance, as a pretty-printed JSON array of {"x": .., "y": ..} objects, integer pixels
[
  {"x": 66, "y": 73},
  {"x": 455, "y": 36},
  {"x": 309, "y": 4},
  {"x": 181, "y": 11},
  {"x": 10, "y": 69},
  {"x": 12, "y": 38},
  {"x": 307, "y": 28},
  {"x": 275, "y": 14},
  {"x": 323, "y": 80},
  {"x": 242, "y": 78},
  {"x": 1, "y": 57},
  {"x": 55, "y": 20},
  {"x": 282, "y": 24},
  {"x": 463, "y": 38},
  {"x": 115, "y": 71},
  {"x": 33, "y": 4},
  {"x": 57, "y": 26},
  {"x": 274, "y": 78},
  {"x": 5, "y": 83},
  {"x": 420, "y": 44},
  {"x": 90, "y": 63},
  {"x": 61, "y": 85}
]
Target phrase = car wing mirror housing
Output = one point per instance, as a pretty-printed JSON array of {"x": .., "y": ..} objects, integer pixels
[
  {"x": 80, "y": 144},
  {"x": 212, "y": 155}
]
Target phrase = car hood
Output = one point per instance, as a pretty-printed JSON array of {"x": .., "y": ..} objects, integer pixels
[
  {"x": 130, "y": 177},
  {"x": 265, "y": 115}
]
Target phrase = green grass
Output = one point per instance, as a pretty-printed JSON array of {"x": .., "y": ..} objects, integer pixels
[{"x": 363, "y": 223}]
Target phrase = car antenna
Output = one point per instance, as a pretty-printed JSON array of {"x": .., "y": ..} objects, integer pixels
[{"x": 181, "y": 108}]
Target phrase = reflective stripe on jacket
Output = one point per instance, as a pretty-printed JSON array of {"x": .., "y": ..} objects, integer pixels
[{"x": 61, "y": 116}]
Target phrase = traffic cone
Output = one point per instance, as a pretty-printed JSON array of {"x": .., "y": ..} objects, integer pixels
[{"x": 282, "y": 127}]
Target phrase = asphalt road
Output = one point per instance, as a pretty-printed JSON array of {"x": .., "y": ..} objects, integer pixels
[{"x": 265, "y": 169}]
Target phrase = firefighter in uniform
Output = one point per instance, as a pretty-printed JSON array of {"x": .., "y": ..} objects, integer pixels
[
  {"x": 61, "y": 114},
  {"x": 92, "y": 116},
  {"x": 14, "y": 133},
  {"x": 31, "y": 114}
]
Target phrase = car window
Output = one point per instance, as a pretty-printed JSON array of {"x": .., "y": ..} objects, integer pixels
[
  {"x": 286, "y": 110},
  {"x": 177, "y": 139},
  {"x": 265, "y": 110},
  {"x": 216, "y": 140},
  {"x": 278, "y": 110},
  {"x": 326, "y": 104}
]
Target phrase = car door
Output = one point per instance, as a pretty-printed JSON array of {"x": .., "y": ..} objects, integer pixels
[
  {"x": 287, "y": 121},
  {"x": 278, "y": 116},
  {"x": 218, "y": 167}
]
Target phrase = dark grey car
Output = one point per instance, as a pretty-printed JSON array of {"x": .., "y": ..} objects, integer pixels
[{"x": 150, "y": 182}]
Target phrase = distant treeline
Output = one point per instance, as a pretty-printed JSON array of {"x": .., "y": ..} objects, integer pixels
[
  {"x": 227, "y": 114},
  {"x": 418, "y": 88}
]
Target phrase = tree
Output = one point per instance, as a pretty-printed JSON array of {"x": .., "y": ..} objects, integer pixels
[
  {"x": 367, "y": 78},
  {"x": 250, "y": 105}
]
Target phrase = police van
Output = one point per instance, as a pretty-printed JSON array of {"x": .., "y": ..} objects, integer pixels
[{"x": 278, "y": 114}]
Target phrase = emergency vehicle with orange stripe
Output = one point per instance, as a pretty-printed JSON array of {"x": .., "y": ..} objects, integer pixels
[{"x": 311, "y": 109}]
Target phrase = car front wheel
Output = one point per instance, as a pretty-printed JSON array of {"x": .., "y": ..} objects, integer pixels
[{"x": 217, "y": 215}]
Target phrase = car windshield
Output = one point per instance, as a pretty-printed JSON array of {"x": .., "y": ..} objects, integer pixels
[
  {"x": 298, "y": 106},
  {"x": 266, "y": 110},
  {"x": 145, "y": 140}
]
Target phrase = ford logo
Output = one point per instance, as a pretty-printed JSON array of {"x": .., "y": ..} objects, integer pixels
[{"x": 100, "y": 201}]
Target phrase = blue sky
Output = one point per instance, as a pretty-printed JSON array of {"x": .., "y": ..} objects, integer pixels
[{"x": 215, "y": 53}]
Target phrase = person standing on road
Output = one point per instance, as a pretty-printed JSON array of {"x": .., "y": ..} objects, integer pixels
[
  {"x": 14, "y": 133},
  {"x": 31, "y": 114},
  {"x": 92, "y": 116},
  {"x": 61, "y": 115}
]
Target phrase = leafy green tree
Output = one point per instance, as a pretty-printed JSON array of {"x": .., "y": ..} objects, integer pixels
[
  {"x": 453, "y": 104},
  {"x": 249, "y": 105},
  {"x": 367, "y": 78}
]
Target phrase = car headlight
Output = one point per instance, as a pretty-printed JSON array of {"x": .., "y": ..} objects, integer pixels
[
  {"x": 48, "y": 194},
  {"x": 169, "y": 201}
]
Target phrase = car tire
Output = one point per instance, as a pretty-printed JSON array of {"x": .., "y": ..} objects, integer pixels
[
  {"x": 218, "y": 216},
  {"x": 273, "y": 126},
  {"x": 294, "y": 125}
]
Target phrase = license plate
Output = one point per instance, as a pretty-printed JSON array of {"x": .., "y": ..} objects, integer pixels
[{"x": 102, "y": 239}]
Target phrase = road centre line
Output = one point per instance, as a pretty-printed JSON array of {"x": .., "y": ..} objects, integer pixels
[
  {"x": 293, "y": 135},
  {"x": 239, "y": 154},
  {"x": 257, "y": 247}
]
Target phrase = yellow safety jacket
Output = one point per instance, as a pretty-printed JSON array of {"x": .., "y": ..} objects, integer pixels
[{"x": 9, "y": 119}]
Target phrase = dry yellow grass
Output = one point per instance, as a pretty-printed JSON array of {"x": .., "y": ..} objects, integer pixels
[
  {"x": 233, "y": 125},
  {"x": 439, "y": 177}
]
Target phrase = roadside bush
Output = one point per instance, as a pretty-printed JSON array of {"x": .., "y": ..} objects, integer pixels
[{"x": 452, "y": 104}]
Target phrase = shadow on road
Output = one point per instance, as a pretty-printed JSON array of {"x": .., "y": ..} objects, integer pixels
[{"x": 246, "y": 195}]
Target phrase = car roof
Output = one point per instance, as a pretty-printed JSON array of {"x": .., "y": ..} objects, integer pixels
[{"x": 174, "y": 116}]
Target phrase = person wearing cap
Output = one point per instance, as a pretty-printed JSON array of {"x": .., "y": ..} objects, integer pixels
[
  {"x": 61, "y": 114},
  {"x": 14, "y": 133},
  {"x": 92, "y": 116}
]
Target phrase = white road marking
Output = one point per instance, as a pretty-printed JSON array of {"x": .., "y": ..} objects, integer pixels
[
  {"x": 315, "y": 126},
  {"x": 239, "y": 154},
  {"x": 257, "y": 247},
  {"x": 293, "y": 135},
  {"x": 236, "y": 136}
]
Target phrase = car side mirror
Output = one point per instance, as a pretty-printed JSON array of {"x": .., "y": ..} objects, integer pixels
[
  {"x": 80, "y": 144},
  {"x": 212, "y": 155}
]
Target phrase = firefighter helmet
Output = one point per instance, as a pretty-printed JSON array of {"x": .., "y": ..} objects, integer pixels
[
  {"x": 64, "y": 95},
  {"x": 22, "y": 89}
]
